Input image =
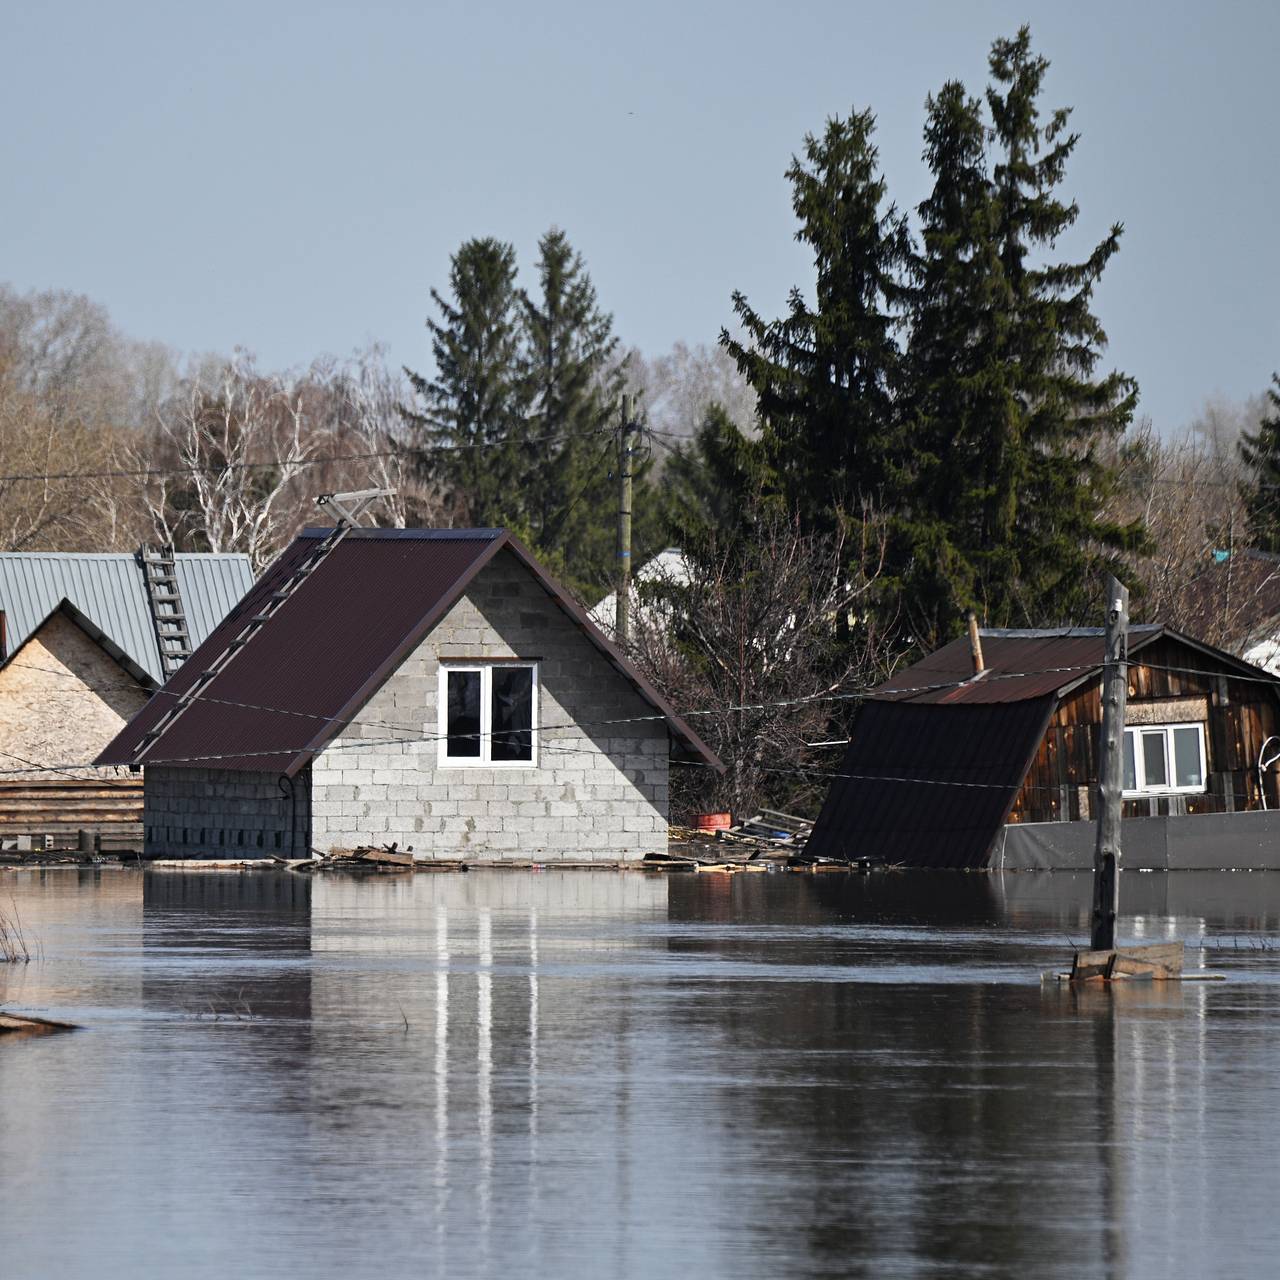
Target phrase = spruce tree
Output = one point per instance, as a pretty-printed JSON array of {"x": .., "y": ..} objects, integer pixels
[
  {"x": 712, "y": 482},
  {"x": 1046, "y": 537},
  {"x": 958, "y": 394},
  {"x": 1260, "y": 453},
  {"x": 472, "y": 420},
  {"x": 1008, "y": 413},
  {"x": 826, "y": 375},
  {"x": 574, "y": 384}
]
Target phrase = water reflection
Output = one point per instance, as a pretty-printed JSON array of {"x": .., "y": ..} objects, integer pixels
[{"x": 598, "y": 1074}]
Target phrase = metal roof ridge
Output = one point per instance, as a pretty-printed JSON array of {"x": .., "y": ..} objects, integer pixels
[
  {"x": 478, "y": 534},
  {"x": 1058, "y": 633}
]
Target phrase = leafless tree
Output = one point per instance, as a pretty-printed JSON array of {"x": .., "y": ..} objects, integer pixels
[
  {"x": 228, "y": 455},
  {"x": 759, "y": 642},
  {"x": 676, "y": 389},
  {"x": 1200, "y": 575},
  {"x": 369, "y": 428}
]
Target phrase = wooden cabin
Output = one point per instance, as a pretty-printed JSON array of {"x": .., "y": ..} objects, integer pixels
[{"x": 952, "y": 767}]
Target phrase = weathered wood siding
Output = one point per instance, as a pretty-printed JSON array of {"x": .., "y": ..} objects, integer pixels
[
  {"x": 1240, "y": 714},
  {"x": 59, "y": 810}
]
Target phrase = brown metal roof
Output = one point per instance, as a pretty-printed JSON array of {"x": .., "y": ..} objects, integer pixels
[
  {"x": 1020, "y": 665},
  {"x": 329, "y": 646}
]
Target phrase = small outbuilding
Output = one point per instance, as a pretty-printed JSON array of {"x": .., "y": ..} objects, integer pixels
[
  {"x": 432, "y": 688},
  {"x": 948, "y": 767},
  {"x": 85, "y": 640}
]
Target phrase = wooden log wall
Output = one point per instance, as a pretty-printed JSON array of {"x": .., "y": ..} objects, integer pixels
[
  {"x": 1240, "y": 714},
  {"x": 63, "y": 808}
]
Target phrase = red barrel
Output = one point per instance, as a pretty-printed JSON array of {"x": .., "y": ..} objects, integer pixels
[{"x": 713, "y": 821}]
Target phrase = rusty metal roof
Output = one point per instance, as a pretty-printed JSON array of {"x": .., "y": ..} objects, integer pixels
[
  {"x": 331, "y": 644},
  {"x": 1019, "y": 665},
  {"x": 937, "y": 756}
]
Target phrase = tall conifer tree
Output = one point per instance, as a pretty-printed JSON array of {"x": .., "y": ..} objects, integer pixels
[
  {"x": 1042, "y": 512},
  {"x": 574, "y": 384},
  {"x": 472, "y": 417},
  {"x": 1260, "y": 452},
  {"x": 1007, "y": 408},
  {"x": 826, "y": 375},
  {"x": 958, "y": 397}
]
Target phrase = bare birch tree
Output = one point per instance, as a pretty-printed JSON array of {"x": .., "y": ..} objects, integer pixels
[{"x": 227, "y": 457}]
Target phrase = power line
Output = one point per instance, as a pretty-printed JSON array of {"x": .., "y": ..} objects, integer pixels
[{"x": 408, "y": 451}]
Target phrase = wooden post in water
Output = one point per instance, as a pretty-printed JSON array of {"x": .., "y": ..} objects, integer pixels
[{"x": 1115, "y": 689}]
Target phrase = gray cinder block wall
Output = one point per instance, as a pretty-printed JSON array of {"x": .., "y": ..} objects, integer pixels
[
  {"x": 224, "y": 813},
  {"x": 598, "y": 791}
]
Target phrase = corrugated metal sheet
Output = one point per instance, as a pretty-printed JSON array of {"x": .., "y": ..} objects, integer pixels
[
  {"x": 931, "y": 785},
  {"x": 330, "y": 646},
  {"x": 1020, "y": 665},
  {"x": 109, "y": 590}
]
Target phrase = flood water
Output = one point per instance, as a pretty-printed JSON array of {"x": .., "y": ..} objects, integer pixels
[{"x": 603, "y": 1074}]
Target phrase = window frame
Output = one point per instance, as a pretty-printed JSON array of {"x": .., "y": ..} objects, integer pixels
[
  {"x": 1169, "y": 788},
  {"x": 485, "y": 759}
]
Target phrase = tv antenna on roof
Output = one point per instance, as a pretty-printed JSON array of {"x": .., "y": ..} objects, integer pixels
[{"x": 351, "y": 506}]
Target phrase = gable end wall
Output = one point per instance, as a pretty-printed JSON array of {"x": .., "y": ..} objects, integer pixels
[{"x": 598, "y": 792}]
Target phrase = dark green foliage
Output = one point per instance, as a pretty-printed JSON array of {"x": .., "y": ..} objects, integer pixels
[
  {"x": 1006, "y": 409},
  {"x": 471, "y": 427},
  {"x": 1260, "y": 453},
  {"x": 574, "y": 386},
  {"x": 826, "y": 375},
  {"x": 714, "y": 482}
]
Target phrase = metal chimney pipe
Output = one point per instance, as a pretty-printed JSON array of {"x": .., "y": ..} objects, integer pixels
[{"x": 975, "y": 644}]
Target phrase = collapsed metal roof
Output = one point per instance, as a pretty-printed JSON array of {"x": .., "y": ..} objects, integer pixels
[
  {"x": 928, "y": 787},
  {"x": 938, "y": 754},
  {"x": 331, "y": 644},
  {"x": 110, "y": 592}
]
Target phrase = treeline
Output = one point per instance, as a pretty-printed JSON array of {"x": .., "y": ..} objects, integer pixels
[{"x": 928, "y": 427}]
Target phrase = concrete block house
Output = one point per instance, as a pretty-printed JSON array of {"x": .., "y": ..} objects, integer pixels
[{"x": 432, "y": 688}]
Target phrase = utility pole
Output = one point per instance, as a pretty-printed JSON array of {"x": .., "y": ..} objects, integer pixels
[
  {"x": 1115, "y": 689},
  {"x": 626, "y": 451}
]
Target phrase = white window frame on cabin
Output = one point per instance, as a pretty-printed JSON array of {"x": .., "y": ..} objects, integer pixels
[
  {"x": 1134, "y": 734},
  {"x": 484, "y": 760}
]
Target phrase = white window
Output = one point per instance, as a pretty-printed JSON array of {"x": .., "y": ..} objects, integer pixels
[
  {"x": 489, "y": 714},
  {"x": 1164, "y": 759}
]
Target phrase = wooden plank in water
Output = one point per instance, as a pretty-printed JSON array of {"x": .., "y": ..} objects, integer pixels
[
  {"x": 1160, "y": 960},
  {"x": 24, "y": 1026}
]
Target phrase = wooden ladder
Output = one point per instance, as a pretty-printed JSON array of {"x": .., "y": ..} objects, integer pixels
[{"x": 168, "y": 617}]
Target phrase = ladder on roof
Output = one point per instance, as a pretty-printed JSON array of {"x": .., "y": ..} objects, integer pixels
[
  {"x": 168, "y": 617},
  {"x": 349, "y": 507}
]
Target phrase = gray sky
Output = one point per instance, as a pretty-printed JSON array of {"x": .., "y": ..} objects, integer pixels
[{"x": 293, "y": 177}]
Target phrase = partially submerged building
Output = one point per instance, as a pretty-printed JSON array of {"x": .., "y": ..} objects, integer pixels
[
  {"x": 948, "y": 767},
  {"x": 431, "y": 688},
  {"x": 85, "y": 640}
]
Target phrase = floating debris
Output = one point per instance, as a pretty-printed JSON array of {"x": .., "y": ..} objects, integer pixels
[{"x": 21, "y": 1025}]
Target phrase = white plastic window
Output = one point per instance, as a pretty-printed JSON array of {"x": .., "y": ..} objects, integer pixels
[
  {"x": 489, "y": 715},
  {"x": 1164, "y": 760}
]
